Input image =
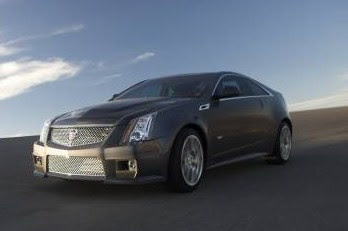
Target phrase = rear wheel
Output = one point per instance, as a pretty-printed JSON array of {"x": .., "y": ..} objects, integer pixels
[
  {"x": 283, "y": 145},
  {"x": 187, "y": 161}
]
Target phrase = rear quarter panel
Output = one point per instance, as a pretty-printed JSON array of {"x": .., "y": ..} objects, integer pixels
[{"x": 277, "y": 111}]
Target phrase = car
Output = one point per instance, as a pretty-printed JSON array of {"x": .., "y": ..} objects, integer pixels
[{"x": 170, "y": 129}]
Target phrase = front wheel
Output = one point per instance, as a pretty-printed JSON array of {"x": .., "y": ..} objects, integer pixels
[
  {"x": 283, "y": 146},
  {"x": 187, "y": 161}
]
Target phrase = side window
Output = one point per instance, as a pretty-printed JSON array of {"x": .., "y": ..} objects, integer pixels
[
  {"x": 245, "y": 86},
  {"x": 250, "y": 88},
  {"x": 228, "y": 81}
]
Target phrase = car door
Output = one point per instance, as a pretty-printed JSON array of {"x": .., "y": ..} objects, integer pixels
[{"x": 234, "y": 124}]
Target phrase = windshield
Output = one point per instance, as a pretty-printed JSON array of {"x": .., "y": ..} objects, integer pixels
[{"x": 192, "y": 87}]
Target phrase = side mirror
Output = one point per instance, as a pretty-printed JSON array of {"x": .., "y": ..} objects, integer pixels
[
  {"x": 227, "y": 92},
  {"x": 114, "y": 96}
]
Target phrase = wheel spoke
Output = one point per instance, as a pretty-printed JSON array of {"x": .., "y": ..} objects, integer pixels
[
  {"x": 191, "y": 174},
  {"x": 192, "y": 145}
]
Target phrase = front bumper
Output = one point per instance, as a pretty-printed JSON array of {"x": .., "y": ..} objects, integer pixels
[{"x": 143, "y": 163}]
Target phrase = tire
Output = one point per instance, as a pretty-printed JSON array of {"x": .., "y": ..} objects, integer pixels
[
  {"x": 283, "y": 146},
  {"x": 187, "y": 161}
]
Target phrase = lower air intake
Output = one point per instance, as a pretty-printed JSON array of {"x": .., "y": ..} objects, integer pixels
[{"x": 82, "y": 166}]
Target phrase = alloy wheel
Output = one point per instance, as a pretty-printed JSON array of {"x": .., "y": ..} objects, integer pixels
[
  {"x": 285, "y": 143},
  {"x": 192, "y": 160}
]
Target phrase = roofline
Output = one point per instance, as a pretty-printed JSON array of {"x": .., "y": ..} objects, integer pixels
[{"x": 217, "y": 74}]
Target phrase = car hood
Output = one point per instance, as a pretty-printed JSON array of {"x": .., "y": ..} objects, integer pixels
[{"x": 116, "y": 112}]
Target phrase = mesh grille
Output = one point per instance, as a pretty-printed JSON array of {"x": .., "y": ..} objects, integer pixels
[
  {"x": 72, "y": 137},
  {"x": 85, "y": 166}
]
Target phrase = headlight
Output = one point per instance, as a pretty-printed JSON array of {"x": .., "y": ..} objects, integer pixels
[
  {"x": 44, "y": 131},
  {"x": 140, "y": 128}
]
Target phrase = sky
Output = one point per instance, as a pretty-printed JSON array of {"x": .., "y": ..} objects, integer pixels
[{"x": 57, "y": 56}]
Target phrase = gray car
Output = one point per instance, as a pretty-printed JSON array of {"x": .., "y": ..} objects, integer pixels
[{"x": 168, "y": 129}]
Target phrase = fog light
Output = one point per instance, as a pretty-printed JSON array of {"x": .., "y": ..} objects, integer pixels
[
  {"x": 38, "y": 160},
  {"x": 132, "y": 165}
]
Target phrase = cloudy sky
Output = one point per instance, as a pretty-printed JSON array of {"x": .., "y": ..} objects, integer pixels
[{"x": 56, "y": 56}]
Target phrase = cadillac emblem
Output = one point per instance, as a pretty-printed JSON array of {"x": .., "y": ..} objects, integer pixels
[{"x": 72, "y": 135}]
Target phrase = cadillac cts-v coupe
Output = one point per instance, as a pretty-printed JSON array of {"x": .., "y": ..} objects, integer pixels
[{"x": 167, "y": 129}]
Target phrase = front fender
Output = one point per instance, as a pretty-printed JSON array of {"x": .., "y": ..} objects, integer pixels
[{"x": 170, "y": 122}]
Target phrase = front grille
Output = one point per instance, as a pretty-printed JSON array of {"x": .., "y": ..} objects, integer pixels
[
  {"x": 79, "y": 136},
  {"x": 83, "y": 166}
]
